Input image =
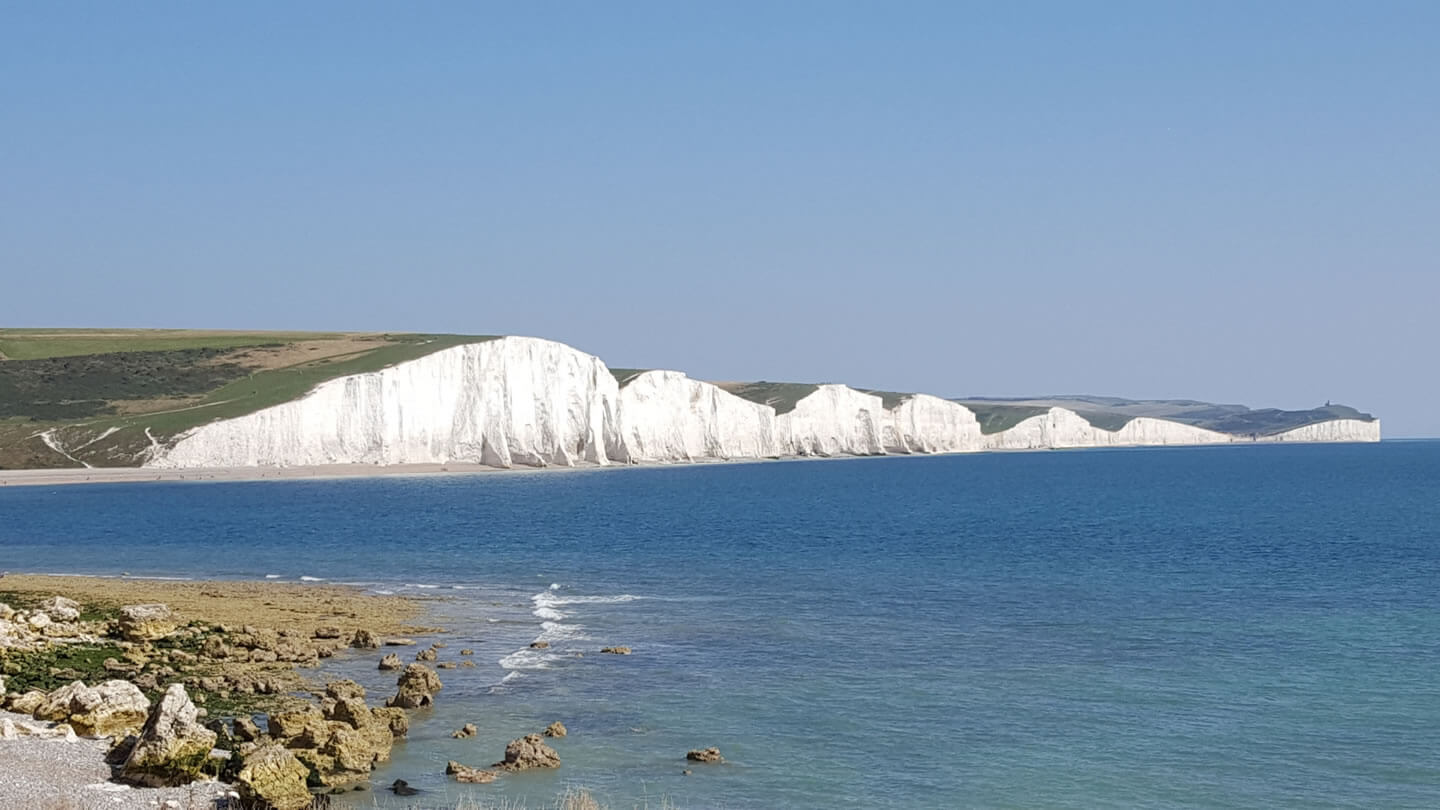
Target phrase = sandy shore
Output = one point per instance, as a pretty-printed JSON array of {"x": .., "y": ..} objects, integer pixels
[{"x": 264, "y": 604}]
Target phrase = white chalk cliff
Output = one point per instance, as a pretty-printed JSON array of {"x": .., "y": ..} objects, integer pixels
[{"x": 532, "y": 402}]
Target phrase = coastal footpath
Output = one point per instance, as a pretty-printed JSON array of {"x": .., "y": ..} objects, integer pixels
[{"x": 527, "y": 402}]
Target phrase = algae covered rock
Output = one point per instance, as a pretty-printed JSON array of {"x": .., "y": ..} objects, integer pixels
[
  {"x": 391, "y": 661},
  {"x": 173, "y": 746},
  {"x": 271, "y": 776}
]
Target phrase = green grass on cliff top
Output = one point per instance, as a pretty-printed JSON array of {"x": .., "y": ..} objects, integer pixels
[{"x": 82, "y": 383}]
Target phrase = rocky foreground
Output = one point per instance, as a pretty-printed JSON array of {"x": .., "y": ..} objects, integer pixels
[
  {"x": 170, "y": 701},
  {"x": 144, "y": 705}
]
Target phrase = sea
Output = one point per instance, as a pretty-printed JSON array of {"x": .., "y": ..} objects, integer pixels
[{"x": 1227, "y": 627}]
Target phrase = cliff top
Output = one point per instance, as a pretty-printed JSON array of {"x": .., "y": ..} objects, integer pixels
[{"x": 120, "y": 383}]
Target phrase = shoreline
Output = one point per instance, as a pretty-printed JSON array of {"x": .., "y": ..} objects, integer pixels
[{"x": 66, "y": 476}]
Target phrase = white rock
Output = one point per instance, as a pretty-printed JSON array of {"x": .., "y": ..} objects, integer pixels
[
  {"x": 834, "y": 420},
  {"x": 532, "y": 402},
  {"x": 60, "y": 609},
  {"x": 926, "y": 424},
  {"x": 503, "y": 402},
  {"x": 1336, "y": 430},
  {"x": 666, "y": 416}
]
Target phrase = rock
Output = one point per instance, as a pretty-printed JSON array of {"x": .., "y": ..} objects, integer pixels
[
  {"x": 8, "y": 730},
  {"x": 396, "y": 719},
  {"x": 402, "y": 788},
  {"x": 710, "y": 755},
  {"x": 445, "y": 665},
  {"x": 60, "y": 609},
  {"x": 425, "y": 655},
  {"x": 245, "y": 729},
  {"x": 391, "y": 661},
  {"x": 365, "y": 640},
  {"x": 115, "y": 665},
  {"x": 38, "y": 621},
  {"x": 27, "y": 703},
  {"x": 172, "y": 746},
  {"x": 416, "y": 687},
  {"x": 344, "y": 689},
  {"x": 303, "y": 727},
  {"x": 146, "y": 622},
  {"x": 329, "y": 631},
  {"x": 439, "y": 645},
  {"x": 555, "y": 729},
  {"x": 399, "y": 642},
  {"x": 111, "y": 709},
  {"x": 539, "y": 645},
  {"x": 468, "y": 664},
  {"x": 686, "y": 772},
  {"x": 273, "y": 777},
  {"x": 465, "y": 773},
  {"x": 6, "y": 612},
  {"x": 467, "y": 651},
  {"x": 260, "y": 656},
  {"x": 467, "y": 730},
  {"x": 528, "y": 752},
  {"x": 616, "y": 650}
]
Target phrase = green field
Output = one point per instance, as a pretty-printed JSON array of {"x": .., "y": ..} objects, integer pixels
[
  {"x": 625, "y": 375},
  {"x": 106, "y": 393},
  {"x": 780, "y": 396},
  {"x": 35, "y": 344}
]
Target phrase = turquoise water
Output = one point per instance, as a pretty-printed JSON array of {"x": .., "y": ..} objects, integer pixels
[{"x": 1222, "y": 627}]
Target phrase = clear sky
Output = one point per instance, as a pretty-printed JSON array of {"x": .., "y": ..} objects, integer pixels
[{"x": 1231, "y": 201}]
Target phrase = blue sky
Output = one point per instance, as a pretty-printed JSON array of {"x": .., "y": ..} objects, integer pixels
[{"x": 1229, "y": 201}]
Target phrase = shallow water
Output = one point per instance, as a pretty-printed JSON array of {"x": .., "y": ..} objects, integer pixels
[{"x": 1210, "y": 627}]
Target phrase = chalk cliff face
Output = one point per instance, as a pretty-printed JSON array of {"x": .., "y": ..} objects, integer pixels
[
  {"x": 1061, "y": 427},
  {"x": 503, "y": 402},
  {"x": 926, "y": 424},
  {"x": 1337, "y": 430},
  {"x": 666, "y": 416},
  {"x": 531, "y": 402},
  {"x": 834, "y": 420}
]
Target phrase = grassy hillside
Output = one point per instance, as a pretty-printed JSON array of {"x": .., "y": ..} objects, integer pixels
[
  {"x": 96, "y": 393},
  {"x": 780, "y": 396}
]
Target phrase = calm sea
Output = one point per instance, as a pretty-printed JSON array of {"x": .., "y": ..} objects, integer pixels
[{"x": 1224, "y": 627}]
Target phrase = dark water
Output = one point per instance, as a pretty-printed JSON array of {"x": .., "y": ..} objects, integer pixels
[{"x": 1223, "y": 627}]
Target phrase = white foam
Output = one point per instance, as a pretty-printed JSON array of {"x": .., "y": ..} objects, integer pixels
[
  {"x": 312, "y": 579},
  {"x": 272, "y": 576},
  {"x": 528, "y": 659},
  {"x": 554, "y": 631},
  {"x": 588, "y": 600},
  {"x": 549, "y": 614},
  {"x": 554, "y": 586},
  {"x": 512, "y": 676},
  {"x": 421, "y": 586}
]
